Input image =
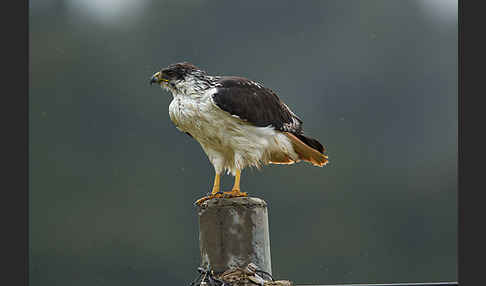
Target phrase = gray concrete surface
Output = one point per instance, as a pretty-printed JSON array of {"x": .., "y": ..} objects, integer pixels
[{"x": 233, "y": 233}]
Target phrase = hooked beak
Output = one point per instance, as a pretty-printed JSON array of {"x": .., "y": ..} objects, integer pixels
[{"x": 155, "y": 78}]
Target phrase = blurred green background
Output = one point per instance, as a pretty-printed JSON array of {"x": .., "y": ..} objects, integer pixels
[{"x": 112, "y": 181}]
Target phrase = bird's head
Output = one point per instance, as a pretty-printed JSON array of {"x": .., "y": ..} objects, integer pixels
[{"x": 177, "y": 76}]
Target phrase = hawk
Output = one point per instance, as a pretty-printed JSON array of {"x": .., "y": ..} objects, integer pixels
[{"x": 238, "y": 123}]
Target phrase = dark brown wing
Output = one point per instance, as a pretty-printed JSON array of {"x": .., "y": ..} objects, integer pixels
[{"x": 255, "y": 104}]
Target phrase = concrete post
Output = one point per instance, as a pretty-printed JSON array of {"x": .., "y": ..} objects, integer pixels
[{"x": 233, "y": 233}]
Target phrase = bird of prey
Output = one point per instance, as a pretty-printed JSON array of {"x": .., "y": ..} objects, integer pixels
[{"x": 238, "y": 123}]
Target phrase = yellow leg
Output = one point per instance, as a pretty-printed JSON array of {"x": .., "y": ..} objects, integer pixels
[
  {"x": 214, "y": 193},
  {"x": 236, "y": 185},
  {"x": 217, "y": 179},
  {"x": 235, "y": 192}
]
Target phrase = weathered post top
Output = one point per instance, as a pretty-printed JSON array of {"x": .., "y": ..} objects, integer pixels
[{"x": 233, "y": 233}]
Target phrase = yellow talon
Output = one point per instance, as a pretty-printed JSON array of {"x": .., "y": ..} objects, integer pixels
[
  {"x": 234, "y": 194},
  {"x": 215, "y": 194},
  {"x": 212, "y": 196}
]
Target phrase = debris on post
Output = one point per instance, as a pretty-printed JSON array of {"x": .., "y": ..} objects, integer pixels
[{"x": 249, "y": 276}]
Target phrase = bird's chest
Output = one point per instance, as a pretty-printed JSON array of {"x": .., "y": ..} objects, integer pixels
[
  {"x": 188, "y": 114},
  {"x": 202, "y": 120}
]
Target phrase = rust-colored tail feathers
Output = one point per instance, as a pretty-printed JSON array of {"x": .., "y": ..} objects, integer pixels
[{"x": 308, "y": 149}]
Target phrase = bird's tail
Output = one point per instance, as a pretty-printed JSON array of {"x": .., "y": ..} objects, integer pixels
[{"x": 308, "y": 149}]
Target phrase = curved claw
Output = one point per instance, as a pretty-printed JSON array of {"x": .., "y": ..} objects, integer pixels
[
  {"x": 235, "y": 193},
  {"x": 209, "y": 197}
]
